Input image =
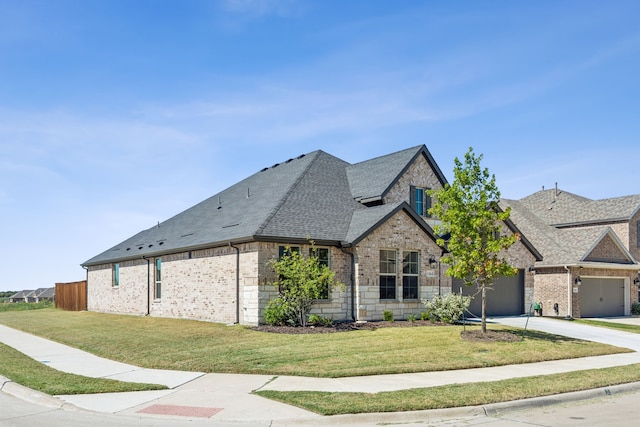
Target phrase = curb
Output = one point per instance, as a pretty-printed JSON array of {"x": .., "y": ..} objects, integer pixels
[
  {"x": 493, "y": 409},
  {"x": 543, "y": 401},
  {"x": 33, "y": 396}
]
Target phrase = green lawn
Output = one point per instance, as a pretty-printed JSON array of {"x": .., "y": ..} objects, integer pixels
[
  {"x": 456, "y": 395},
  {"x": 611, "y": 325},
  {"x": 209, "y": 347},
  {"x": 30, "y": 373}
]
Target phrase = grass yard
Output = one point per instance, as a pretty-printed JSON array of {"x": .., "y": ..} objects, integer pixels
[
  {"x": 38, "y": 376},
  {"x": 611, "y": 325},
  {"x": 209, "y": 347},
  {"x": 457, "y": 395}
]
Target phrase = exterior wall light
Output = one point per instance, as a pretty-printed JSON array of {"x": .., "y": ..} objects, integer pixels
[
  {"x": 432, "y": 262},
  {"x": 578, "y": 281}
]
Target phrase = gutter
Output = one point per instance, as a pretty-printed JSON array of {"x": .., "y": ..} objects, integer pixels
[
  {"x": 237, "y": 282},
  {"x": 353, "y": 282}
]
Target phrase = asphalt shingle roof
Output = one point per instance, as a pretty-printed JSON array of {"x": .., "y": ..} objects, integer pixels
[
  {"x": 565, "y": 208},
  {"x": 537, "y": 215},
  {"x": 309, "y": 196},
  {"x": 371, "y": 179}
]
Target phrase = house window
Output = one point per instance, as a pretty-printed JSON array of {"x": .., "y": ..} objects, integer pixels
[
  {"x": 282, "y": 250},
  {"x": 420, "y": 200},
  {"x": 323, "y": 259},
  {"x": 410, "y": 274},
  {"x": 116, "y": 275},
  {"x": 387, "y": 274},
  {"x": 157, "y": 291}
]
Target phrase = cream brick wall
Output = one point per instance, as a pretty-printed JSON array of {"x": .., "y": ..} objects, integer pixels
[
  {"x": 418, "y": 174},
  {"x": 399, "y": 233},
  {"x": 129, "y": 297}
]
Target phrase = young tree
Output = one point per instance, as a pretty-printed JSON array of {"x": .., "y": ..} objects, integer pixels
[
  {"x": 301, "y": 281},
  {"x": 471, "y": 227}
]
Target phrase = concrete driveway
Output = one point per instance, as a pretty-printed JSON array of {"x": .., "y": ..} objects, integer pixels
[{"x": 569, "y": 328}]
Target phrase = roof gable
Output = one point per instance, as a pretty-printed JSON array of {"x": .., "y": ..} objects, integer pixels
[
  {"x": 608, "y": 248},
  {"x": 372, "y": 179},
  {"x": 366, "y": 221}
]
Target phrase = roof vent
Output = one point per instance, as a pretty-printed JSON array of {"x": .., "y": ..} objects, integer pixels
[
  {"x": 289, "y": 161},
  {"x": 128, "y": 249},
  {"x": 276, "y": 165},
  {"x": 264, "y": 169},
  {"x": 301, "y": 156}
]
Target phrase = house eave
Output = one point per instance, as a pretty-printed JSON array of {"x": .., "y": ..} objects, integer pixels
[{"x": 600, "y": 265}]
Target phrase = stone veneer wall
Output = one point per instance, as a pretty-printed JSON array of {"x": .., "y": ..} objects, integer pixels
[
  {"x": 337, "y": 307},
  {"x": 399, "y": 233}
]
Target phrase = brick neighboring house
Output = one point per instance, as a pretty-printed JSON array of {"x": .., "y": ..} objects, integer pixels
[
  {"x": 590, "y": 248},
  {"x": 369, "y": 221}
]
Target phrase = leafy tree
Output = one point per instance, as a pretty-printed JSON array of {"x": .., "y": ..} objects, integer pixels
[
  {"x": 301, "y": 281},
  {"x": 471, "y": 225}
]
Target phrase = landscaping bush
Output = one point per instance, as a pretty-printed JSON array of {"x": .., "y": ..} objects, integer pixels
[
  {"x": 279, "y": 313},
  {"x": 635, "y": 308},
  {"x": 448, "y": 309},
  {"x": 316, "y": 320},
  {"x": 387, "y": 315}
]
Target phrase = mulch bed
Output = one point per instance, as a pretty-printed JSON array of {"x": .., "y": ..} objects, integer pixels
[
  {"x": 344, "y": 327},
  {"x": 473, "y": 335}
]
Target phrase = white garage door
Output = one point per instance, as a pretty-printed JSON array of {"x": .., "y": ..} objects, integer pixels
[{"x": 601, "y": 297}]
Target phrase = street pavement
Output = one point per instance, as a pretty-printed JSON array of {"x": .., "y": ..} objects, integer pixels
[{"x": 227, "y": 399}]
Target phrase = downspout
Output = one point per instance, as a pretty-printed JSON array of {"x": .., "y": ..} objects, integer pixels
[
  {"x": 237, "y": 282},
  {"x": 148, "y": 286},
  {"x": 569, "y": 305},
  {"x": 353, "y": 283},
  {"x": 86, "y": 289}
]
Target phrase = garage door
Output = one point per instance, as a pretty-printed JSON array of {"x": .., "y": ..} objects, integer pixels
[
  {"x": 601, "y": 297},
  {"x": 506, "y": 298}
]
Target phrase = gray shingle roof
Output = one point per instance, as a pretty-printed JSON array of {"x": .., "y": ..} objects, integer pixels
[
  {"x": 309, "y": 196},
  {"x": 371, "y": 179},
  {"x": 560, "y": 246},
  {"x": 565, "y": 208}
]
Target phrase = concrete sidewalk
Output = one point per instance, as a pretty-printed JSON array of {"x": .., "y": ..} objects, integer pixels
[{"x": 227, "y": 397}]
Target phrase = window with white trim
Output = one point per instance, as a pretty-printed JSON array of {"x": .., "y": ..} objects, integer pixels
[
  {"x": 115, "y": 275},
  {"x": 157, "y": 290},
  {"x": 388, "y": 274},
  {"x": 410, "y": 274}
]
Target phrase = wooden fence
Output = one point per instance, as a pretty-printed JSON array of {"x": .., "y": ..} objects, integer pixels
[{"x": 71, "y": 296}]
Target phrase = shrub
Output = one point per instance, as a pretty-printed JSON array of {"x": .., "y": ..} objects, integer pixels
[
  {"x": 424, "y": 315},
  {"x": 448, "y": 309},
  {"x": 279, "y": 313},
  {"x": 316, "y": 320},
  {"x": 387, "y": 315},
  {"x": 635, "y": 308},
  {"x": 412, "y": 318}
]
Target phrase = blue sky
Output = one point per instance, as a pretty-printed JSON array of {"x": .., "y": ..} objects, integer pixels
[{"x": 115, "y": 115}]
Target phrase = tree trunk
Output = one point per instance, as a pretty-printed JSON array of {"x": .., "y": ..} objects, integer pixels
[{"x": 484, "y": 309}]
